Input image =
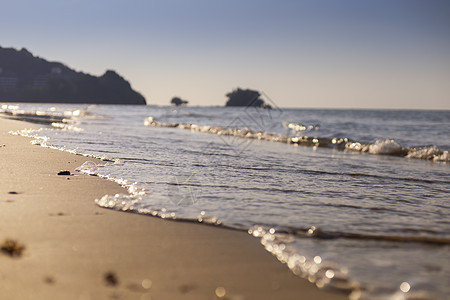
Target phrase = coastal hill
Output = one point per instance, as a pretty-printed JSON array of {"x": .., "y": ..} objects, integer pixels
[{"x": 27, "y": 78}]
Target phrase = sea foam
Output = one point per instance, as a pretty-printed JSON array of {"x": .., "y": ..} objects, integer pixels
[{"x": 380, "y": 147}]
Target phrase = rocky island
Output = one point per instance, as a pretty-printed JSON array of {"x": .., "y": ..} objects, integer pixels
[
  {"x": 247, "y": 97},
  {"x": 27, "y": 78},
  {"x": 177, "y": 101}
]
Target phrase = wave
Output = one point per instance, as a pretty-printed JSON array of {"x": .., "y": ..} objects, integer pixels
[
  {"x": 51, "y": 116},
  {"x": 317, "y": 233},
  {"x": 380, "y": 147},
  {"x": 38, "y": 116},
  {"x": 176, "y": 114},
  {"x": 196, "y": 115},
  {"x": 299, "y": 127},
  {"x": 43, "y": 141},
  {"x": 326, "y": 274},
  {"x": 391, "y": 147}
]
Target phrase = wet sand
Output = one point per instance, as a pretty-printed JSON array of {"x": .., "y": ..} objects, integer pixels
[{"x": 77, "y": 250}]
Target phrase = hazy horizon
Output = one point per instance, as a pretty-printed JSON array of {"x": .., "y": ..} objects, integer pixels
[{"x": 307, "y": 54}]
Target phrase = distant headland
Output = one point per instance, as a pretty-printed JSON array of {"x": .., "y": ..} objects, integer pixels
[{"x": 27, "y": 78}]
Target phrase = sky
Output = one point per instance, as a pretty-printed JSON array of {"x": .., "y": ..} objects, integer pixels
[{"x": 380, "y": 54}]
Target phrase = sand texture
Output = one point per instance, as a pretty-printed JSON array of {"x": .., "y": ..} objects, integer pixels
[{"x": 69, "y": 248}]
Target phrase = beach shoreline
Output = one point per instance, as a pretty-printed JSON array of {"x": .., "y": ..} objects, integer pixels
[{"x": 77, "y": 250}]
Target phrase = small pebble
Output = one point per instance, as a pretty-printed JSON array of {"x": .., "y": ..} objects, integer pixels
[
  {"x": 49, "y": 279},
  {"x": 12, "y": 248},
  {"x": 111, "y": 279},
  {"x": 64, "y": 173}
]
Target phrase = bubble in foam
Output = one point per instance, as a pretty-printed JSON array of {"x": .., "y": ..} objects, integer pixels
[{"x": 89, "y": 167}]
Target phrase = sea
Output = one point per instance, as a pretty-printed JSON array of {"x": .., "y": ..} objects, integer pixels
[{"x": 352, "y": 200}]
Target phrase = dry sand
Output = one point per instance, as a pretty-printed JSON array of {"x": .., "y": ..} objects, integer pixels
[{"x": 77, "y": 250}]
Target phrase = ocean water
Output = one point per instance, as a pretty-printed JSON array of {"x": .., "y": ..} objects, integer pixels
[{"x": 354, "y": 200}]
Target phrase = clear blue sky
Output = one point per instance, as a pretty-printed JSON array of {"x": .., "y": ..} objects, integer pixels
[{"x": 316, "y": 53}]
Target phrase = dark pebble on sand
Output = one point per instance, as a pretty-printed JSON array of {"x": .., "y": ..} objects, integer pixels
[
  {"x": 111, "y": 279},
  {"x": 12, "y": 248},
  {"x": 64, "y": 173},
  {"x": 13, "y": 193},
  {"x": 49, "y": 279}
]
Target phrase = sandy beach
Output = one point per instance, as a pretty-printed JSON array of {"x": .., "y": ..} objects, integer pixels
[{"x": 74, "y": 249}]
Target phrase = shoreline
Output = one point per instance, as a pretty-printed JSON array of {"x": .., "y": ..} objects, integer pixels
[{"x": 75, "y": 249}]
